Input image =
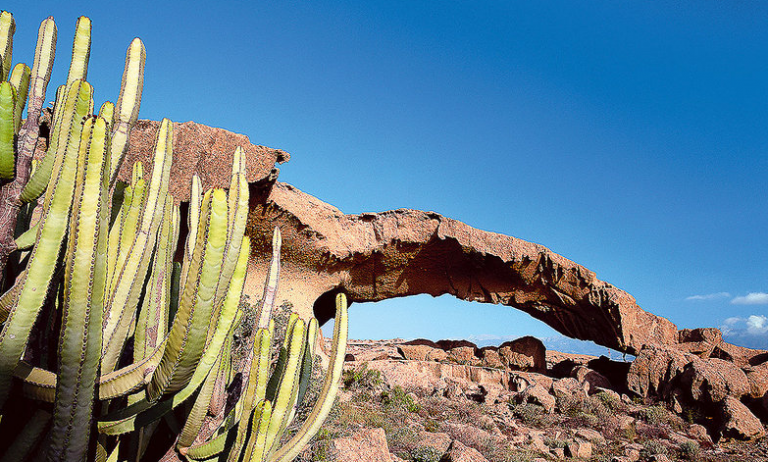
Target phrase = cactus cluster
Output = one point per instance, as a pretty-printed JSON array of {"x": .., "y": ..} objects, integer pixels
[{"x": 116, "y": 337}]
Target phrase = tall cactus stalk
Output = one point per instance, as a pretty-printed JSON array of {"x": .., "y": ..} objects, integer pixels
[{"x": 105, "y": 338}]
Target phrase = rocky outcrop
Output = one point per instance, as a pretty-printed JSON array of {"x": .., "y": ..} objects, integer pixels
[
  {"x": 457, "y": 452},
  {"x": 202, "y": 150},
  {"x": 738, "y": 421},
  {"x": 525, "y": 353},
  {"x": 375, "y": 256},
  {"x": 368, "y": 445}
]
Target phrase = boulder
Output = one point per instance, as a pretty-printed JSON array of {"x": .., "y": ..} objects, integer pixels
[
  {"x": 741, "y": 356},
  {"x": 421, "y": 353},
  {"x": 463, "y": 355},
  {"x": 519, "y": 381},
  {"x": 526, "y": 353},
  {"x": 590, "y": 435},
  {"x": 579, "y": 449},
  {"x": 537, "y": 394},
  {"x": 699, "y": 433},
  {"x": 422, "y": 341},
  {"x": 701, "y": 341},
  {"x": 369, "y": 445},
  {"x": 758, "y": 380},
  {"x": 592, "y": 379},
  {"x": 438, "y": 441},
  {"x": 738, "y": 422},
  {"x": 450, "y": 344},
  {"x": 711, "y": 380},
  {"x": 490, "y": 358},
  {"x": 555, "y": 357},
  {"x": 655, "y": 370},
  {"x": 457, "y": 452},
  {"x": 569, "y": 387}
]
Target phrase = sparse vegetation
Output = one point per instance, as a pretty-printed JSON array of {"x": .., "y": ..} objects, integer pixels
[
  {"x": 425, "y": 454},
  {"x": 689, "y": 450},
  {"x": 505, "y": 430},
  {"x": 400, "y": 399},
  {"x": 361, "y": 378}
]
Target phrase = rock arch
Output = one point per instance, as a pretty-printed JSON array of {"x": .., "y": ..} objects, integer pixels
[{"x": 375, "y": 256}]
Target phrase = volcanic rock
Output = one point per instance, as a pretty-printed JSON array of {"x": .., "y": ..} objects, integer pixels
[
  {"x": 421, "y": 353},
  {"x": 368, "y": 445},
  {"x": 526, "y": 353},
  {"x": 537, "y": 394},
  {"x": 457, "y": 452},
  {"x": 713, "y": 379},
  {"x": 593, "y": 380},
  {"x": 738, "y": 421},
  {"x": 375, "y": 256},
  {"x": 655, "y": 369},
  {"x": 580, "y": 449},
  {"x": 701, "y": 342},
  {"x": 491, "y": 358},
  {"x": 202, "y": 150},
  {"x": 438, "y": 441}
]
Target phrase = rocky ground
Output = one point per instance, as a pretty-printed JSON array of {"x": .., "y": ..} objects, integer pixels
[{"x": 451, "y": 401}]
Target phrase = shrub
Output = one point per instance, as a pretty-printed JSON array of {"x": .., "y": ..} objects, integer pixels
[
  {"x": 361, "y": 377},
  {"x": 555, "y": 442},
  {"x": 400, "y": 399},
  {"x": 534, "y": 415},
  {"x": 653, "y": 447},
  {"x": 402, "y": 441},
  {"x": 689, "y": 449},
  {"x": 655, "y": 414},
  {"x": 425, "y": 454},
  {"x": 609, "y": 400},
  {"x": 583, "y": 412}
]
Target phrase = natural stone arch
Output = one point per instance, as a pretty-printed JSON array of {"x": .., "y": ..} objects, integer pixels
[
  {"x": 372, "y": 257},
  {"x": 375, "y": 256}
]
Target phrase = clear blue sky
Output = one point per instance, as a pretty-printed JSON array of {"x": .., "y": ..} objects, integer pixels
[{"x": 630, "y": 137}]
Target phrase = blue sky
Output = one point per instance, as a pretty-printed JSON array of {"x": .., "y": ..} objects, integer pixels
[{"x": 630, "y": 137}]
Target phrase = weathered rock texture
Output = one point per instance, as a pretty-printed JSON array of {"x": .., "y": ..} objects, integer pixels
[
  {"x": 375, "y": 256},
  {"x": 200, "y": 149}
]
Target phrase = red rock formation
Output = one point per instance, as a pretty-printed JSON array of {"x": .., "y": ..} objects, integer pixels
[
  {"x": 375, "y": 256},
  {"x": 402, "y": 252}
]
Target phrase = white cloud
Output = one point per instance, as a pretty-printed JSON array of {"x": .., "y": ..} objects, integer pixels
[
  {"x": 752, "y": 298},
  {"x": 757, "y": 325},
  {"x": 708, "y": 296},
  {"x": 751, "y": 331}
]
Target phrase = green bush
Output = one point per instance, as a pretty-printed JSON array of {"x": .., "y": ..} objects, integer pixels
[
  {"x": 555, "y": 442},
  {"x": 425, "y": 454},
  {"x": 530, "y": 414},
  {"x": 609, "y": 400},
  {"x": 400, "y": 399},
  {"x": 362, "y": 377},
  {"x": 653, "y": 447},
  {"x": 689, "y": 449}
]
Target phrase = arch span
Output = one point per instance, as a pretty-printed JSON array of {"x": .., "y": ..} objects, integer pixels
[{"x": 375, "y": 256}]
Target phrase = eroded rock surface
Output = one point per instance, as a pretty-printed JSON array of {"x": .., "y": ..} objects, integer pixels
[{"x": 375, "y": 256}]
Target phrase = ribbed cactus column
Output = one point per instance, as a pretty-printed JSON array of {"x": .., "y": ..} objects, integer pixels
[{"x": 130, "y": 335}]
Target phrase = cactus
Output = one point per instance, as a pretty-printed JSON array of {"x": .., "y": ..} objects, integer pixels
[{"x": 109, "y": 349}]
